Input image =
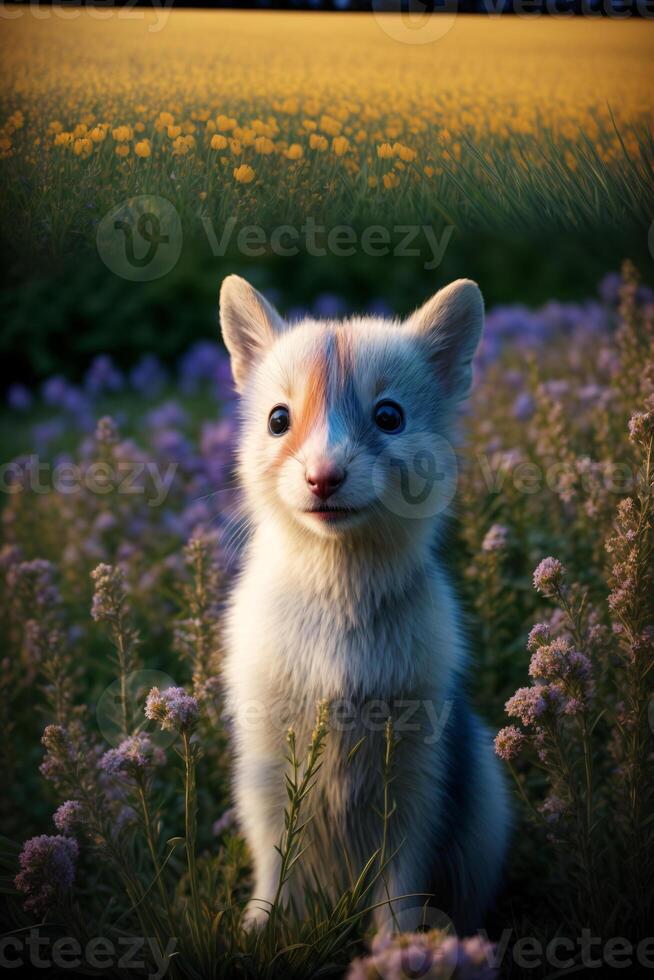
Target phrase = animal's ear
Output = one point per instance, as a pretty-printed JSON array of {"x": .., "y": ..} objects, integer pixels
[
  {"x": 249, "y": 324},
  {"x": 451, "y": 323}
]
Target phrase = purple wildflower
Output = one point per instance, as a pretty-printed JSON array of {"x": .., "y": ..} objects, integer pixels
[
  {"x": 103, "y": 376},
  {"x": 496, "y": 538},
  {"x": 68, "y": 817},
  {"x": 539, "y": 635},
  {"x": 148, "y": 376},
  {"x": 435, "y": 954},
  {"x": 135, "y": 754},
  {"x": 108, "y": 593},
  {"x": 19, "y": 398},
  {"x": 548, "y": 576},
  {"x": 174, "y": 709},
  {"x": 641, "y": 427},
  {"x": 106, "y": 431},
  {"x": 47, "y": 870},
  {"x": 508, "y": 742},
  {"x": 528, "y": 704}
]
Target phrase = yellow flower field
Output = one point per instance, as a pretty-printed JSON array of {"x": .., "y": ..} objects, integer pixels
[{"x": 274, "y": 115}]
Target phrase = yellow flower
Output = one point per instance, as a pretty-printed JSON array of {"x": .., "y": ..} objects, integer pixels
[
  {"x": 391, "y": 180},
  {"x": 264, "y": 145},
  {"x": 55, "y": 127},
  {"x": 385, "y": 151},
  {"x": 83, "y": 147},
  {"x": 340, "y": 145},
  {"x": 404, "y": 152},
  {"x": 122, "y": 150},
  {"x": 166, "y": 119},
  {"x": 183, "y": 145},
  {"x": 225, "y": 124},
  {"x": 330, "y": 125},
  {"x": 264, "y": 129},
  {"x": 98, "y": 133},
  {"x": 142, "y": 148},
  {"x": 372, "y": 181},
  {"x": 310, "y": 125},
  {"x": 5, "y": 144},
  {"x": 121, "y": 134},
  {"x": 244, "y": 174},
  {"x": 63, "y": 139},
  {"x": 318, "y": 142},
  {"x": 80, "y": 130},
  {"x": 295, "y": 152},
  {"x": 174, "y": 132},
  {"x": 218, "y": 142},
  {"x": 245, "y": 134},
  {"x": 202, "y": 195},
  {"x": 235, "y": 147}
]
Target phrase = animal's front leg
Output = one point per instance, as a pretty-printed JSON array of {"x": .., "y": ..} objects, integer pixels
[{"x": 261, "y": 800}]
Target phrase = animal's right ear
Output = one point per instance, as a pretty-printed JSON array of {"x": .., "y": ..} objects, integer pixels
[{"x": 249, "y": 324}]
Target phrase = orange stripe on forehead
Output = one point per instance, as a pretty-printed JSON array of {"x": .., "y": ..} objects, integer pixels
[{"x": 306, "y": 414}]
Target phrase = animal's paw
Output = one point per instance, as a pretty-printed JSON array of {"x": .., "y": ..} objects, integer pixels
[{"x": 256, "y": 914}]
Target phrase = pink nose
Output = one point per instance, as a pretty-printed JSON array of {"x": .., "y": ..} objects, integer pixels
[{"x": 324, "y": 479}]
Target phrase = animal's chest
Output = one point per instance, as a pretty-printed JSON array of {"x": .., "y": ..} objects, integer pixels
[{"x": 309, "y": 647}]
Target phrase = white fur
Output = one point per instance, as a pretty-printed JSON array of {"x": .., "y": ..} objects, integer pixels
[{"x": 358, "y": 610}]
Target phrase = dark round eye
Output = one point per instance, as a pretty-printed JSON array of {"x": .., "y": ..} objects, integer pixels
[
  {"x": 389, "y": 417},
  {"x": 279, "y": 420}
]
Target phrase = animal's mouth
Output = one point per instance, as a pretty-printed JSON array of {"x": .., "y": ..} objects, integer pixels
[{"x": 326, "y": 513}]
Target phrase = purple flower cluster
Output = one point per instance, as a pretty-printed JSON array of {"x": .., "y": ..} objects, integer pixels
[
  {"x": 68, "y": 817},
  {"x": 431, "y": 955},
  {"x": 496, "y": 538},
  {"x": 548, "y": 576},
  {"x": 47, "y": 870},
  {"x": 173, "y": 709},
  {"x": 529, "y": 704},
  {"x": 135, "y": 755},
  {"x": 108, "y": 592},
  {"x": 509, "y": 742}
]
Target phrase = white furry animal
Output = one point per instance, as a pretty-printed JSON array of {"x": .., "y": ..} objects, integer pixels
[{"x": 343, "y": 596}]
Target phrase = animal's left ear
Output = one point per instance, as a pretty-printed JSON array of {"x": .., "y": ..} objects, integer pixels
[
  {"x": 249, "y": 325},
  {"x": 451, "y": 323}
]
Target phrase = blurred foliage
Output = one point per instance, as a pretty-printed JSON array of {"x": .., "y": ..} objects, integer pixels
[{"x": 56, "y": 316}]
